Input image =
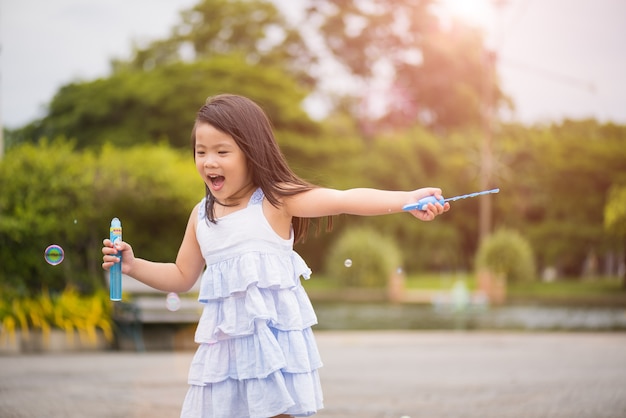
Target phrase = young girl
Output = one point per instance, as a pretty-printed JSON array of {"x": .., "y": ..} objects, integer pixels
[{"x": 257, "y": 356}]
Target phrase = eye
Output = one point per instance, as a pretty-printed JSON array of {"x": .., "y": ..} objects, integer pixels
[{"x": 222, "y": 152}]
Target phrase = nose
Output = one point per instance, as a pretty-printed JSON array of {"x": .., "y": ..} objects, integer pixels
[{"x": 210, "y": 161}]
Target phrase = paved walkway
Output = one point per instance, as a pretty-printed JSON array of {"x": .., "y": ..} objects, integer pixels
[{"x": 366, "y": 374}]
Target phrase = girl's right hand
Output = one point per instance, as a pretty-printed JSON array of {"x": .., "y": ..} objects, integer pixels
[{"x": 109, "y": 257}]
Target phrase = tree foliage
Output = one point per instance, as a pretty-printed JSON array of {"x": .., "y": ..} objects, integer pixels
[
  {"x": 363, "y": 257},
  {"x": 53, "y": 194},
  {"x": 134, "y": 107},
  {"x": 508, "y": 254},
  {"x": 562, "y": 174},
  {"x": 44, "y": 189},
  {"x": 439, "y": 72},
  {"x": 253, "y": 29},
  {"x": 615, "y": 211},
  {"x": 561, "y": 184}
]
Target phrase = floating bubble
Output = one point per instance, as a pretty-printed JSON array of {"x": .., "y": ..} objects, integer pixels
[
  {"x": 75, "y": 221},
  {"x": 54, "y": 255},
  {"x": 172, "y": 302},
  {"x": 347, "y": 263}
]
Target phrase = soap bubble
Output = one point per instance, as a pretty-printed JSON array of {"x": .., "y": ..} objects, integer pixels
[
  {"x": 54, "y": 255},
  {"x": 172, "y": 302},
  {"x": 347, "y": 263}
]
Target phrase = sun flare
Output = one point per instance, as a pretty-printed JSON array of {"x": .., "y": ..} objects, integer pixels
[{"x": 474, "y": 12}]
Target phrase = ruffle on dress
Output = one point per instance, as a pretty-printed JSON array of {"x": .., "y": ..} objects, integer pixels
[
  {"x": 255, "y": 356},
  {"x": 298, "y": 395},
  {"x": 271, "y": 270},
  {"x": 237, "y": 316}
]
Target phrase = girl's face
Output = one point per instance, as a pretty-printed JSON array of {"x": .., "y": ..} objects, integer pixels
[{"x": 222, "y": 165}]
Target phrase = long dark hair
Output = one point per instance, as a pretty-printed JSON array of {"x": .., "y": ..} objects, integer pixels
[{"x": 251, "y": 129}]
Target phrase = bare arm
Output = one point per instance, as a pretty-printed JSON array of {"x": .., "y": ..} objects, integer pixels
[
  {"x": 365, "y": 202},
  {"x": 169, "y": 277}
]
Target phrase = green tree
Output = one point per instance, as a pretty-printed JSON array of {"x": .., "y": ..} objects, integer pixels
[
  {"x": 438, "y": 71},
  {"x": 561, "y": 175},
  {"x": 615, "y": 219},
  {"x": 407, "y": 161},
  {"x": 363, "y": 257},
  {"x": 508, "y": 254},
  {"x": 53, "y": 194},
  {"x": 615, "y": 210},
  {"x": 254, "y": 29},
  {"x": 134, "y": 107},
  {"x": 45, "y": 199}
]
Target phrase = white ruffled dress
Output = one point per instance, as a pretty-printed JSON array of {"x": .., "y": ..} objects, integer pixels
[{"x": 257, "y": 356}]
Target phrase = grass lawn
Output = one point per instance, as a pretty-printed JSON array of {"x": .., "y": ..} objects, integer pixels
[
  {"x": 601, "y": 288},
  {"x": 435, "y": 281}
]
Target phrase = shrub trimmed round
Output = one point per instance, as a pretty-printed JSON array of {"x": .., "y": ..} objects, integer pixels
[
  {"x": 507, "y": 253},
  {"x": 374, "y": 257}
]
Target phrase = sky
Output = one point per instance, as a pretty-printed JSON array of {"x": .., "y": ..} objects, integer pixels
[{"x": 556, "y": 58}]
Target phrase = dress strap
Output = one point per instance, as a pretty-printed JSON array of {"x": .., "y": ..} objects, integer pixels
[
  {"x": 257, "y": 197},
  {"x": 202, "y": 209}
]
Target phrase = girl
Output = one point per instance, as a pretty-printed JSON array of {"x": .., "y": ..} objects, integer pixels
[{"x": 257, "y": 356}]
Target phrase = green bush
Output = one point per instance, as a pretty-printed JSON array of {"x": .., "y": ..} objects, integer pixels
[
  {"x": 372, "y": 258},
  {"x": 507, "y": 253},
  {"x": 51, "y": 193}
]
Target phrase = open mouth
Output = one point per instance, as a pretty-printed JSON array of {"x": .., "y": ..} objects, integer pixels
[{"x": 217, "y": 182}]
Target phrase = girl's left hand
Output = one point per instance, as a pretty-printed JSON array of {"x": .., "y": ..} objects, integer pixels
[{"x": 432, "y": 209}]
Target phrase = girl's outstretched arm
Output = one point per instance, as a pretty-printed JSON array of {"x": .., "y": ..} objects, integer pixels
[
  {"x": 168, "y": 277},
  {"x": 321, "y": 202}
]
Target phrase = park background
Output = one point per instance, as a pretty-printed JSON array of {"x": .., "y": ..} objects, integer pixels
[{"x": 428, "y": 109}]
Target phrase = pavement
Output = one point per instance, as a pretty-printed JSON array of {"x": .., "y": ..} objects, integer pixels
[{"x": 377, "y": 374}]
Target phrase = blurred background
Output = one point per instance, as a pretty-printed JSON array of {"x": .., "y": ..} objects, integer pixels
[{"x": 98, "y": 101}]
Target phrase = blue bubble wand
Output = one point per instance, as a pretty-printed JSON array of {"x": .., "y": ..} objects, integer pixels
[{"x": 422, "y": 203}]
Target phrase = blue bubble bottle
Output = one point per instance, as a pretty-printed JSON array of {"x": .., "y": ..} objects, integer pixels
[{"x": 115, "y": 272}]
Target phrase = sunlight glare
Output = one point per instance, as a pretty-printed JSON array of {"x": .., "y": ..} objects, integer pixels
[{"x": 474, "y": 12}]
